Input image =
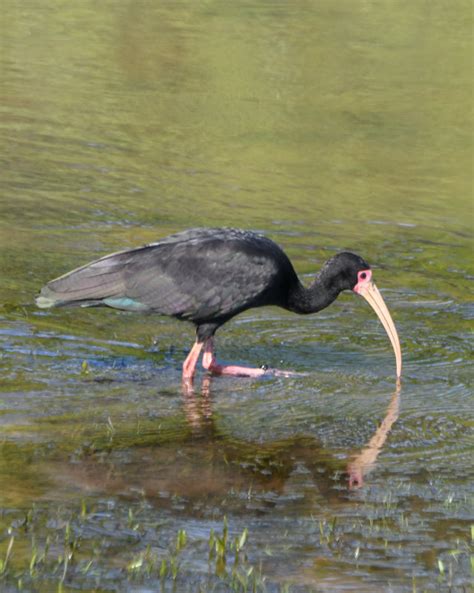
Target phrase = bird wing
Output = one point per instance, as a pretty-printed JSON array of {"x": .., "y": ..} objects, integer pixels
[
  {"x": 197, "y": 275},
  {"x": 89, "y": 284},
  {"x": 201, "y": 281}
]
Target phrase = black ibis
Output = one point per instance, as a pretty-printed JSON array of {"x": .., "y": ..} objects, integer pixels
[{"x": 209, "y": 275}]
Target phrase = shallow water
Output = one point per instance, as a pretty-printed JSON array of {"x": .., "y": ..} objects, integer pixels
[{"x": 326, "y": 126}]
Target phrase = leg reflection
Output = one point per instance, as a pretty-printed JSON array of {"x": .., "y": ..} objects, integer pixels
[{"x": 198, "y": 407}]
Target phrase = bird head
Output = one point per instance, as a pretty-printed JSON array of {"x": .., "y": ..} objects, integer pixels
[{"x": 348, "y": 271}]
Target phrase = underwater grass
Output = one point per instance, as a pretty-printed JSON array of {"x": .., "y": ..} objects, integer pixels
[
  {"x": 62, "y": 550},
  {"x": 98, "y": 546}
]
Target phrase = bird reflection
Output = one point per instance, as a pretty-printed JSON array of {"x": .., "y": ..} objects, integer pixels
[
  {"x": 364, "y": 462},
  {"x": 203, "y": 466},
  {"x": 198, "y": 410},
  {"x": 197, "y": 407}
]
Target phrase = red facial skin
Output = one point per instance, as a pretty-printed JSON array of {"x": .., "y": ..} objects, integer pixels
[{"x": 363, "y": 278}]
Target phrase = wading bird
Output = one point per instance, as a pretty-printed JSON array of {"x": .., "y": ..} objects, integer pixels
[{"x": 207, "y": 276}]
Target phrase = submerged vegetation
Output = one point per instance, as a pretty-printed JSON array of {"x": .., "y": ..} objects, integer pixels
[
  {"x": 70, "y": 549},
  {"x": 99, "y": 547}
]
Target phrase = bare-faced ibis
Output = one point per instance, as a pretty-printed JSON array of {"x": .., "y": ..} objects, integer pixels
[{"x": 209, "y": 275}]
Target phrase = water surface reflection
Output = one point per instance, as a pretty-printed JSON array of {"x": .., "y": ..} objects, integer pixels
[{"x": 203, "y": 464}]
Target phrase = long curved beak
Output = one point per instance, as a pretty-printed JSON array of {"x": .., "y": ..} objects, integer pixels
[{"x": 372, "y": 295}]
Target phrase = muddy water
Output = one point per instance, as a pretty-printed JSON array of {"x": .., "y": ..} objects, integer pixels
[{"x": 326, "y": 126}]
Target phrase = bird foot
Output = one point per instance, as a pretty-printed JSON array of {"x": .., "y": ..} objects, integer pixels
[
  {"x": 263, "y": 371},
  {"x": 234, "y": 370},
  {"x": 210, "y": 364}
]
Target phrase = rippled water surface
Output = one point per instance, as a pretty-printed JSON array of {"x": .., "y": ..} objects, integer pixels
[{"x": 327, "y": 126}]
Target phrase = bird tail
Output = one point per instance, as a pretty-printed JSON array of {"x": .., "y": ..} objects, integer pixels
[{"x": 86, "y": 286}]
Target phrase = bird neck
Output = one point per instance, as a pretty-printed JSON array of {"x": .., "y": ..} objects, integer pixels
[{"x": 317, "y": 296}]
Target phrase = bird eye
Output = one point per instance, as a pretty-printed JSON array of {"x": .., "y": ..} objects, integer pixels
[{"x": 363, "y": 275}]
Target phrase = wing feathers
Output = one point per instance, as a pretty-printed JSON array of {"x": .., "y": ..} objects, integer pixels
[
  {"x": 199, "y": 275},
  {"x": 91, "y": 282}
]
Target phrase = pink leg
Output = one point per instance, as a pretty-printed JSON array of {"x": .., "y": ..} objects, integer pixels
[
  {"x": 210, "y": 364},
  {"x": 189, "y": 365}
]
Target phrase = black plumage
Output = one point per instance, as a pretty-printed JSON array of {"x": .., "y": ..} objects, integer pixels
[{"x": 205, "y": 276}]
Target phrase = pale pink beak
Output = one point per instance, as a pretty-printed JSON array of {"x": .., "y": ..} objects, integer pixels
[{"x": 366, "y": 288}]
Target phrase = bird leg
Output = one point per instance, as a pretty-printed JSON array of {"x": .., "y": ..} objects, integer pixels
[
  {"x": 210, "y": 364},
  {"x": 189, "y": 365}
]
